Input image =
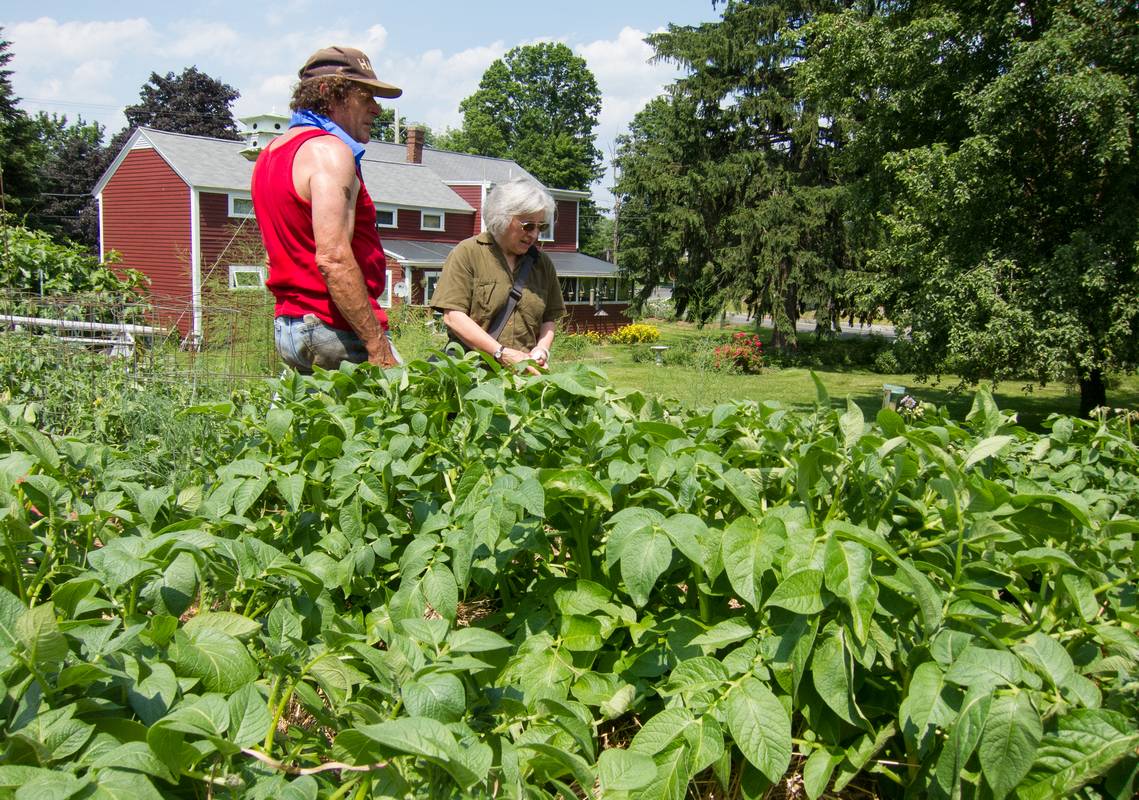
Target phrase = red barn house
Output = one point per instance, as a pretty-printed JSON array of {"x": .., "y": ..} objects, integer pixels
[{"x": 178, "y": 209}]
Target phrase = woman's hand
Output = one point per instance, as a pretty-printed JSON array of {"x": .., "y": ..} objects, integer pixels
[
  {"x": 540, "y": 356},
  {"x": 511, "y": 356}
]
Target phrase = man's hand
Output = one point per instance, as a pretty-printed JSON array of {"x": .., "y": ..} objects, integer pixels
[{"x": 381, "y": 354}]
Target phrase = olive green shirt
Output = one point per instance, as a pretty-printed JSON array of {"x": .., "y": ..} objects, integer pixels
[{"x": 476, "y": 280}]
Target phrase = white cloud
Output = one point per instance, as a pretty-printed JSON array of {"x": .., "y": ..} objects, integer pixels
[
  {"x": 627, "y": 78},
  {"x": 195, "y": 39},
  {"x": 45, "y": 43},
  {"x": 434, "y": 84}
]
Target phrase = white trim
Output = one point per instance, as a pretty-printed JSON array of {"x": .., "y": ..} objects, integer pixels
[
  {"x": 568, "y": 194},
  {"x": 387, "y": 207},
  {"x": 387, "y": 291},
  {"x": 196, "y": 262},
  {"x": 577, "y": 226},
  {"x": 232, "y": 197},
  {"x": 482, "y": 207},
  {"x": 246, "y": 269},
  {"x": 102, "y": 232},
  {"x": 442, "y": 219}
]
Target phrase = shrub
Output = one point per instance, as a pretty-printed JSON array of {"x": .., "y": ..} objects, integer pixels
[
  {"x": 744, "y": 353},
  {"x": 570, "y": 346},
  {"x": 636, "y": 333}
]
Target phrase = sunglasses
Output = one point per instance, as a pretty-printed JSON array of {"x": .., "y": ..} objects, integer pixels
[{"x": 532, "y": 226}]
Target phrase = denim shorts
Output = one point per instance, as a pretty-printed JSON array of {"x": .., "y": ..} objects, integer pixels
[{"x": 305, "y": 342}]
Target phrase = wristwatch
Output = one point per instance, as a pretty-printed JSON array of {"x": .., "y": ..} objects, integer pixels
[{"x": 498, "y": 352}]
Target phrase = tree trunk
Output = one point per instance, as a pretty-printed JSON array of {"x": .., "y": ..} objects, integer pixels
[
  {"x": 1093, "y": 392},
  {"x": 789, "y": 296}
]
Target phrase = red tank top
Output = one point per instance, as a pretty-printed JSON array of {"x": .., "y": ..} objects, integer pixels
[{"x": 285, "y": 220}]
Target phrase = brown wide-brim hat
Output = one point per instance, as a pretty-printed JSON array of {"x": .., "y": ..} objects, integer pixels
[{"x": 350, "y": 63}]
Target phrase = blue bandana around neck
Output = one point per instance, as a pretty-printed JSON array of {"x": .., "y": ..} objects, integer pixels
[{"x": 306, "y": 117}]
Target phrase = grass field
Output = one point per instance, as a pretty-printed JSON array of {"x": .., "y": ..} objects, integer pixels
[{"x": 794, "y": 387}]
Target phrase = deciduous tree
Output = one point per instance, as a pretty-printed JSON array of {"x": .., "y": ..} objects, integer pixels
[
  {"x": 537, "y": 105},
  {"x": 192, "y": 102},
  {"x": 995, "y": 153},
  {"x": 73, "y": 160}
]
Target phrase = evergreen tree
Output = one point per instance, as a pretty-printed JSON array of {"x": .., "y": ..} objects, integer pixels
[
  {"x": 727, "y": 186},
  {"x": 20, "y": 150}
]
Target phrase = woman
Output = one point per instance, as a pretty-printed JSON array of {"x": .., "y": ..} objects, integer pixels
[{"x": 480, "y": 272}]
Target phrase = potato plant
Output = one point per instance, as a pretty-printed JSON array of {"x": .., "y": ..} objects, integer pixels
[{"x": 451, "y": 581}]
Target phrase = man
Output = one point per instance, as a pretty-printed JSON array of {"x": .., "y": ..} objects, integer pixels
[{"x": 318, "y": 223}]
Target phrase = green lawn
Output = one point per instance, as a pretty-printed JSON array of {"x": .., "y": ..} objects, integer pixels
[{"x": 793, "y": 386}]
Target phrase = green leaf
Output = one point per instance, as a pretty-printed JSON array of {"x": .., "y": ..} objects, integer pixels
[
  {"x": 249, "y": 716},
  {"x": 847, "y": 572},
  {"x": 235, "y": 625},
  {"x": 135, "y": 757},
  {"x": 964, "y": 735},
  {"x": 645, "y": 558},
  {"x": 278, "y": 421},
  {"x": 985, "y": 449},
  {"x": 46, "y": 785},
  {"x": 418, "y": 736},
  {"x": 291, "y": 488},
  {"x": 981, "y": 668},
  {"x": 218, "y": 659},
  {"x": 577, "y": 483},
  {"x": 924, "y": 708},
  {"x": 749, "y": 551},
  {"x": 722, "y": 634},
  {"x": 624, "y": 770},
  {"x": 832, "y": 668},
  {"x": 476, "y": 640},
  {"x": 800, "y": 592},
  {"x": 1009, "y": 741},
  {"x": 38, "y": 630},
  {"x": 438, "y": 695},
  {"x": 1085, "y": 745},
  {"x": 822, "y": 399},
  {"x": 686, "y": 532},
  {"x": 817, "y": 771},
  {"x": 661, "y": 729},
  {"x": 575, "y": 764},
  {"x": 153, "y": 696},
  {"x": 580, "y": 633},
  {"x": 743, "y": 489},
  {"x": 1048, "y": 656},
  {"x": 441, "y": 590},
  {"x": 760, "y": 726},
  {"x": 852, "y": 424}
]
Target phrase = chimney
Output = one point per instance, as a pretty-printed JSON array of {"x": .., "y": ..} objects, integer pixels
[{"x": 414, "y": 144}]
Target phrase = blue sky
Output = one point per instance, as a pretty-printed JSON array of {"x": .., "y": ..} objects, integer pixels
[{"x": 90, "y": 59}]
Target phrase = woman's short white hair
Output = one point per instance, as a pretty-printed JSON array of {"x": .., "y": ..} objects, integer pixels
[{"x": 514, "y": 198}]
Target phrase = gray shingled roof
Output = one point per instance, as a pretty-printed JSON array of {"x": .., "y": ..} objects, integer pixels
[
  {"x": 435, "y": 253},
  {"x": 207, "y": 163},
  {"x": 453, "y": 167},
  {"x": 419, "y": 253}
]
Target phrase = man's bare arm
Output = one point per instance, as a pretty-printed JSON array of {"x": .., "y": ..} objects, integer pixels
[{"x": 332, "y": 188}]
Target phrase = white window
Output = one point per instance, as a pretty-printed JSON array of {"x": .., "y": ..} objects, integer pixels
[
  {"x": 432, "y": 220},
  {"x": 548, "y": 234},
  {"x": 387, "y": 217},
  {"x": 246, "y": 276},
  {"x": 429, "y": 286},
  {"x": 385, "y": 299},
  {"x": 241, "y": 205}
]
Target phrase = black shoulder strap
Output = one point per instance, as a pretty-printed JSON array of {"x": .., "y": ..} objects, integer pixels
[{"x": 499, "y": 321}]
